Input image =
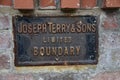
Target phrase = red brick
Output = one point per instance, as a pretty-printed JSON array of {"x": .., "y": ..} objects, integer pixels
[
  {"x": 4, "y": 22},
  {"x": 110, "y": 22},
  {"x": 4, "y": 61},
  {"x": 70, "y": 3},
  {"x": 23, "y": 4},
  {"x": 6, "y": 2},
  {"x": 88, "y": 3},
  {"x": 107, "y": 76},
  {"x": 47, "y": 4},
  {"x": 5, "y": 40},
  {"x": 112, "y": 3}
]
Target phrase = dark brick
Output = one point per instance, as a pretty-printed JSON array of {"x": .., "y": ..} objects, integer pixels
[
  {"x": 11, "y": 76},
  {"x": 1, "y": 77},
  {"x": 4, "y": 22},
  {"x": 6, "y": 2},
  {"x": 4, "y": 61},
  {"x": 110, "y": 22},
  {"x": 5, "y": 40},
  {"x": 107, "y": 76}
]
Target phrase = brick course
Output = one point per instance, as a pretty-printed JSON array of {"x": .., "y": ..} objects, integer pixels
[{"x": 53, "y": 4}]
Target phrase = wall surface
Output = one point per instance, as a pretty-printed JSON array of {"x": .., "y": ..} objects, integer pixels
[{"x": 108, "y": 67}]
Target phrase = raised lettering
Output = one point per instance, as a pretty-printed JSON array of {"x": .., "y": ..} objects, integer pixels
[
  {"x": 44, "y": 28},
  {"x": 71, "y": 50},
  {"x": 77, "y": 50},
  {"x": 42, "y": 51},
  {"x": 29, "y": 28},
  {"x": 53, "y": 39},
  {"x": 59, "y": 51},
  {"x": 20, "y": 28},
  {"x": 35, "y": 51},
  {"x": 54, "y": 50},
  {"x": 93, "y": 28},
  {"x": 35, "y": 28},
  {"x": 48, "y": 50},
  {"x": 66, "y": 51},
  {"x": 73, "y": 28},
  {"x": 63, "y": 28},
  {"x": 24, "y": 28}
]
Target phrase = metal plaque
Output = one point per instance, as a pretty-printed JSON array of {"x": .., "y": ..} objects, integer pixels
[{"x": 55, "y": 40}]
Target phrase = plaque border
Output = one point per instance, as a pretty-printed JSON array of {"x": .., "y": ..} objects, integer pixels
[{"x": 87, "y": 62}]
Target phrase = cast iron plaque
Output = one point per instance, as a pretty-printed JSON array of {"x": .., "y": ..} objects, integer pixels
[{"x": 50, "y": 40}]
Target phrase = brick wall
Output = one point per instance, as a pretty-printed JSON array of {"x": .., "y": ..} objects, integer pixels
[{"x": 108, "y": 67}]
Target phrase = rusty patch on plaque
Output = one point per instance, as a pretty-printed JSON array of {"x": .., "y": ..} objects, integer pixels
[{"x": 61, "y": 40}]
